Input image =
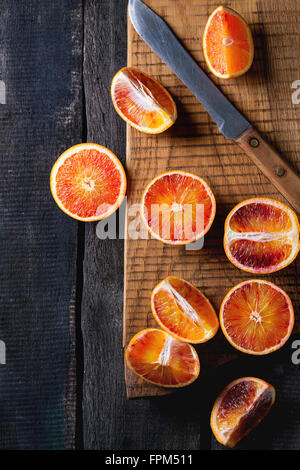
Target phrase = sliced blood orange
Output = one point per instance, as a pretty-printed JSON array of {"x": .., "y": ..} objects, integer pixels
[
  {"x": 88, "y": 182},
  {"x": 257, "y": 317},
  {"x": 227, "y": 43},
  {"x": 183, "y": 311},
  {"x": 178, "y": 207},
  {"x": 161, "y": 359},
  {"x": 239, "y": 408},
  {"x": 142, "y": 101},
  {"x": 261, "y": 235}
]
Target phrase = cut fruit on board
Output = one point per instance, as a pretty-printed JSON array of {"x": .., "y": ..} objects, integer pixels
[
  {"x": 162, "y": 360},
  {"x": 88, "y": 182},
  {"x": 178, "y": 207},
  {"x": 183, "y": 311},
  {"x": 261, "y": 235},
  {"x": 227, "y": 43},
  {"x": 257, "y": 317},
  {"x": 195, "y": 145},
  {"x": 239, "y": 408},
  {"x": 142, "y": 101}
]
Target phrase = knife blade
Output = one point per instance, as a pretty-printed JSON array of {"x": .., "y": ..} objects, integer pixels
[
  {"x": 231, "y": 123},
  {"x": 157, "y": 34}
]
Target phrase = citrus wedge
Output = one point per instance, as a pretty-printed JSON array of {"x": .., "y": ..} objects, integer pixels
[
  {"x": 239, "y": 408},
  {"x": 142, "y": 101},
  {"x": 261, "y": 235},
  {"x": 88, "y": 182},
  {"x": 178, "y": 207},
  {"x": 227, "y": 43},
  {"x": 183, "y": 311},
  {"x": 159, "y": 358},
  {"x": 257, "y": 317}
]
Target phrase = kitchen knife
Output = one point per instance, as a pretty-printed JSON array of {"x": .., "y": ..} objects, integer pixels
[{"x": 233, "y": 125}]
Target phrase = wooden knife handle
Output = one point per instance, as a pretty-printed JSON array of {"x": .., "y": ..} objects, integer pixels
[{"x": 272, "y": 165}]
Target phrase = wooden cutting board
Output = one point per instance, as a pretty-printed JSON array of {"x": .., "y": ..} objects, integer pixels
[{"x": 194, "y": 144}]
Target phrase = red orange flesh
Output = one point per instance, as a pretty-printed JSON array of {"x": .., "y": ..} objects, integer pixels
[
  {"x": 239, "y": 408},
  {"x": 142, "y": 101},
  {"x": 261, "y": 235},
  {"x": 227, "y": 43},
  {"x": 257, "y": 317},
  {"x": 88, "y": 182},
  {"x": 183, "y": 311},
  {"x": 159, "y": 358},
  {"x": 178, "y": 207}
]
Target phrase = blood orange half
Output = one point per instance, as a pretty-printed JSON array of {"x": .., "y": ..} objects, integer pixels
[
  {"x": 239, "y": 408},
  {"x": 88, "y": 182},
  {"x": 183, "y": 311},
  {"x": 159, "y": 358},
  {"x": 227, "y": 43},
  {"x": 178, "y": 207},
  {"x": 261, "y": 235},
  {"x": 142, "y": 101},
  {"x": 257, "y": 317}
]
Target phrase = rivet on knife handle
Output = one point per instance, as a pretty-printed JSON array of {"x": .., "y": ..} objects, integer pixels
[{"x": 272, "y": 165}]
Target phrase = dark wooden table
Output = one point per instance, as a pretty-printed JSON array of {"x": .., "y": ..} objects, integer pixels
[{"x": 61, "y": 287}]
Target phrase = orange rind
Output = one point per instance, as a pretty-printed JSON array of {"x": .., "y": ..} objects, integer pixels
[
  {"x": 183, "y": 311},
  {"x": 142, "y": 102},
  {"x": 88, "y": 182},
  {"x": 162, "y": 360}
]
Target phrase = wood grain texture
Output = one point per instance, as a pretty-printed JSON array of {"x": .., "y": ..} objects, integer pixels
[
  {"x": 104, "y": 54},
  {"x": 179, "y": 420},
  {"x": 274, "y": 167},
  {"x": 110, "y": 421},
  {"x": 195, "y": 144},
  {"x": 41, "y": 64}
]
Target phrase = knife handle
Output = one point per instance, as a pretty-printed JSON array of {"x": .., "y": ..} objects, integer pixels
[{"x": 272, "y": 165}]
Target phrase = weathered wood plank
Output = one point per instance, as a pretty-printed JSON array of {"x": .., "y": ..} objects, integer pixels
[
  {"x": 41, "y": 66},
  {"x": 104, "y": 53},
  {"x": 110, "y": 420},
  {"x": 195, "y": 144},
  {"x": 271, "y": 24},
  {"x": 181, "y": 420}
]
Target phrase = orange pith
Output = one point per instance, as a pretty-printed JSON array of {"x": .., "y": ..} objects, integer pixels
[
  {"x": 183, "y": 311},
  {"x": 159, "y": 358},
  {"x": 88, "y": 182},
  {"x": 257, "y": 317},
  {"x": 227, "y": 43},
  {"x": 239, "y": 408},
  {"x": 261, "y": 235},
  {"x": 178, "y": 207},
  {"x": 142, "y": 101}
]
